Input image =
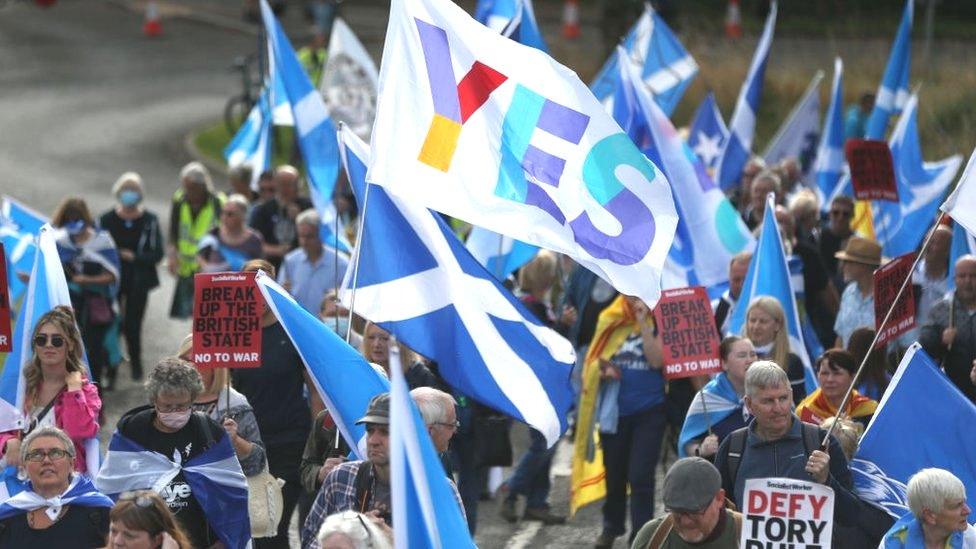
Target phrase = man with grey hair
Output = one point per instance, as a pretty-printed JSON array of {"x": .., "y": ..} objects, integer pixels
[
  {"x": 195, "y": 210},
  {"x": 275, "y": 219},
  {"x": 440, "y": 416},
  {"x": 938, "y": 517},
  {"x": 777, "y": 444},
  {"x": 949, "y": 333},
  {"x": 311, "y": 270},
  {"x": 764, "y": 183}
]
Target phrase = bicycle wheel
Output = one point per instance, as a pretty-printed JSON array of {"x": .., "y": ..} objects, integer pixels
[{"x": 235, "y": 111}]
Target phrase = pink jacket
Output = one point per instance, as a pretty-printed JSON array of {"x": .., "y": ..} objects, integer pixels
[{"x": 75, "y": 413}]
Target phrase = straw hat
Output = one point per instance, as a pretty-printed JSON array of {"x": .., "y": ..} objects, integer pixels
[{"x": 861, "y": 250}]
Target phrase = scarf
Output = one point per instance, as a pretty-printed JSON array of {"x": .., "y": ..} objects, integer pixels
[
  {"x": 80, "y": 491},
  {"x": 815, "y": 407}
]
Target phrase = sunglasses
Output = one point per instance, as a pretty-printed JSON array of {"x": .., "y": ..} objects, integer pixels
[
  {"x": 56, "y": 454},
  {"x": 57, "y": 341},
  {"x": 139, "y": 497}
]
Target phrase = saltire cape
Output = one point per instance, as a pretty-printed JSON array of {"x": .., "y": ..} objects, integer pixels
[
  {"x": 80, "y": 492},
  {"x": 720, "y": 401}
]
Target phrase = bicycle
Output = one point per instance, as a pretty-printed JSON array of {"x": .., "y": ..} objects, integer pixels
[{"x": 239, "y": 106}]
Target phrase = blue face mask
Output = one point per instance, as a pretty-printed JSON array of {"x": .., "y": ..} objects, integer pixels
[
  {"x": 129, "y": 198},
  {"x": 330, "y": 321},
  {"x": 75, "y": 228}
]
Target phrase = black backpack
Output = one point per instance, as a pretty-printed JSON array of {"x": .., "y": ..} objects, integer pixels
[{"x": 737, "y": 445}]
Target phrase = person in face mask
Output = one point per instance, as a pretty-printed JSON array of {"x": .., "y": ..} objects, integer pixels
[
  {"x": 139, "y": 240},
  {"x": 170, "y": 427}
]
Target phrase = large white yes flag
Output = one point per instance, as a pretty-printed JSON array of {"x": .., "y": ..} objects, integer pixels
[{"x": 500, "y": 135}]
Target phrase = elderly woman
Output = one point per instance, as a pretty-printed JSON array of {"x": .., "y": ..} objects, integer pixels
[
  {"x": 139, "y": 239},
  {"x": 858, "y": 261},
  {"x": 169, "y": 427},
  {"x": 56, "y": 389},
  {"x": 766, "y": 326},
  {"x": 835, "y": 373},
  {"x": 717, "y": 409},
  {"x": 938, "y": 514},
  {"x": 141, "y": 520},
  {"x": 235, "y": 414},
  {"x": 195, "y": 211},
  {"x": 352, "y": 530},
  {"x": 229, "y": 245},
  {"x": 58, "y": 508},
  {"x": 91, "y": 265}
]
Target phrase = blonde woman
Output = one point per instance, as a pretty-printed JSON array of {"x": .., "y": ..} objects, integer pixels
[{"x": 766, "y": 327}]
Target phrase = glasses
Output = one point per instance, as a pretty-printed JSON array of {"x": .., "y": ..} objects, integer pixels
[
  {"x": 56, "y": 454},
  {"x": 41, "y": 340},
  {"x": 170, "y": 408},
  {"x": 139, "y": 497},
  {"x": 456, "y": 424}
]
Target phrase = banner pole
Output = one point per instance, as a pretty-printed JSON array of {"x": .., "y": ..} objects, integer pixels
[
  {"x": 355, "y": 267},
  {"x": 877, "y": 334},
  {"x": 336, "y": 259}
]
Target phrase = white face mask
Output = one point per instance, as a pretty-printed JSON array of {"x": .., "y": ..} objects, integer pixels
[
  {"x": 174, "y": 420},
  {"x": 330, "y": 321}
]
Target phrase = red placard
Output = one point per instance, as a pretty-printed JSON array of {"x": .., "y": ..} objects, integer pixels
[
  {"x": 887, "y": 280},
  {"x": 5, "y": 331},
  {"x": 687, "y": 327},
  {"x": 872, "y": 170},
  {"x": 226, "y": 321}
]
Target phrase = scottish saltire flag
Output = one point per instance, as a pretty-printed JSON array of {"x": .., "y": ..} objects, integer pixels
[
  {"x": 516, "y": 144},
  {"x": 742, "y": 127},
  {"x": 499, "y": 254},
  {"x": 707, "y": 133},
  {"x": 901, "y": 226},
  {"x": 799, "y": 135},
  {"x": 19, "y": 250},
  {"x": 963, "y": 243},
  {"x": 214, "y": 476},
  {"x": 313, "y": 126},
  {"x": 769, "y": 274},
  {"x": 425, "y": 508},
  {"x": 251, "y": 144},
  {"x": 80, "y": 492},
  {"x": 710, "y": 231},
  {"x": 418, "y": 282},
  {"x": 961, "y": 204},
  {"x": 349, "y": 80},
  {"x": 665, "y": 67},
  {"x": 716, "y": 401},
  {"x": 342, "y": 377},
  {"x": 512, "y": 18},
  {"x": 23, "y": 216},
  {"x": 893, "y": 91},
  {"x": 830, "y": 154},
  {"x": 941, "y": 434}
]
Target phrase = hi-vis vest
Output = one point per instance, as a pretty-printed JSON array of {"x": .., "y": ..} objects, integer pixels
[{"x": 192, "y": 230}]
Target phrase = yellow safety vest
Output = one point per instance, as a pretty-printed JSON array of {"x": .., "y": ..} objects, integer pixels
[{"x": 190, "y": 232}]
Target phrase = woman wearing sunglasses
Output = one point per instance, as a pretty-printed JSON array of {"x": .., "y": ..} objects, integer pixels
[
  {"x": 141, "y": 520},
  {"x": 57, "y": 391}
]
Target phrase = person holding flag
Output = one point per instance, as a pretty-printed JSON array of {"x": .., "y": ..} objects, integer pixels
[
  {"x": 765, "y": 326},
  {"x": 835, "y": 373}
]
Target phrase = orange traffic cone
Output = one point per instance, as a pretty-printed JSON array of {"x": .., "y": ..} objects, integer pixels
[
  {"x": 733, "y": 20},
  {"x": 571, "y": 27},
  {"x": 152, "y": 26}
]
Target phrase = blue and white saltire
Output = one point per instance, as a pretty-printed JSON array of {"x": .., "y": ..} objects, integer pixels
[
  {"x": 418, "y": 282},
  {"x": 963, "y": 243},
  {"x": 901, "y": 226},
  {"x": 830, "y": 154},
  {"x": 665, "y": 66},
  {"x": 769, "y": 274},
  {"x": 313, "y": 125},
  {"x": 893, "y": 91},
  {"x": 799, "y": 136},
  {"x": 499, "y": 254},
  {"x": 234, "y": 260},
  {"x": 80, "y": 492},
  {"x": 214, "y": 476},
  {"x": 716, "y": 401},
  {"x": 342, "y": 377},
  {"x": 19, "y": 226},
  {"x": 907, "y": 533},
  {"x": 21, "y": 215},
  {"x": 251, "y": 145},
  {"x": 512, "y": 18},
  {"x": 923, "y": 402},
  {"x": 742, "y": 127},
  {"x": 710, "y": 231},
  {"x": 707, "y": 133},
  {"x": 425, "y": 509},
  {"x": 961, "y": 204}
]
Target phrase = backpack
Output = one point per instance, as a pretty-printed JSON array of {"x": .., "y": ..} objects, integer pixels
[{"x": 737, "y": 445}]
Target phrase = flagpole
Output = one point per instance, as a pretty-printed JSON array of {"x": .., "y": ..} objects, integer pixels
[
  {"x": 877, "y": 335},
  {"x": 355, "y": 267},
  {"x": 337, "y": 281}
]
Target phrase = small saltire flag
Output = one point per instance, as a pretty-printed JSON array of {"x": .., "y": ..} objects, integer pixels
[
  {"x": 769, "y": 274},
  {"x": 651, "y": 47},
  {"x": 81, "y": 492},
  {"x": 512, "y": 18},
  {"x": 418, "y": 282},
  {"x": 251, "y": 144},
  {"x": 893, "y": 91},
  {"x": 830, "y": 154},
  {"x": 342, "y": 377},
  {"x": 738, "y": 146},
  {"x": 349, "y": 80},
  {"x": 707, "y": 133},
  {"x": 961, "y": 204},
  {"x": 941, "y": 435},
  {"x": 799, "y": 135},
  {"x": 21, "y": 215},
  {"x": 498, "y": 253},
  {"x": 517, "y": 145},
  {"x": 425, "y": 508},
  {"x": 710, "y": 231},
  {"x": 718, "y": 400},
  {"x": 19, "y": 249},
  {"x": 214, "y": 476},
  {"x": 963, "y": 243}
]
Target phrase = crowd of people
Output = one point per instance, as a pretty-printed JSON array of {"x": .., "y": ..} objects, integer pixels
[{"x": 288, "y": 446}]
